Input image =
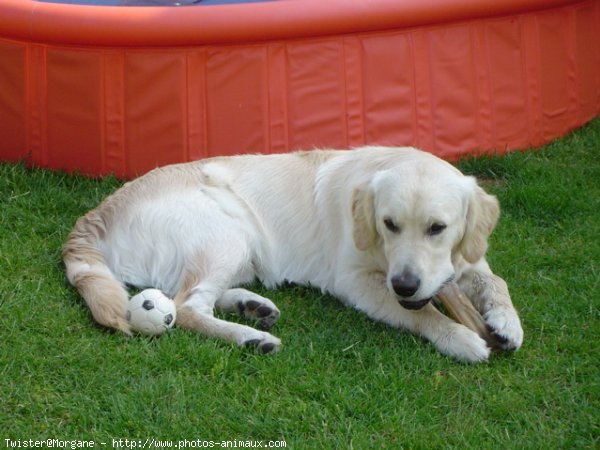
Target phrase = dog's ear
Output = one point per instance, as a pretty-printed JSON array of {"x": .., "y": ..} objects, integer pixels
[
  {"x": 483, "y": 211},
  {"x": 363, "y": 218}
]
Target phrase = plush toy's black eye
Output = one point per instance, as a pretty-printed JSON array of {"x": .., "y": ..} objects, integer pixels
[
  {"x": 390, "y": 225},
  {"x": 436, "y": 228}
]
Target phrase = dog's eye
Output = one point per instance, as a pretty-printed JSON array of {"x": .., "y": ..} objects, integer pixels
[
  {"x": 390, "y": 225},
  {"x": 436, "y": 228}
]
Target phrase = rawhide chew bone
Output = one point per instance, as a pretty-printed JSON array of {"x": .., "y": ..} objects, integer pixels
[{"x": 461, "y": 309}]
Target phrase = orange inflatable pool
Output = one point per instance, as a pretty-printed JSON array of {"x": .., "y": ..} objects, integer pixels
[{"x": 122, "y": 89}]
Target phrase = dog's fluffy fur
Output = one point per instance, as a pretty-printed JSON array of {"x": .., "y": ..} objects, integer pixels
[{"x": 382, "y": 229}]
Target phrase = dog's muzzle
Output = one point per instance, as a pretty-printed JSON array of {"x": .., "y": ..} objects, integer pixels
[
  {"x": 414, "y": 305},
  {"x": 405, "y": 286}
]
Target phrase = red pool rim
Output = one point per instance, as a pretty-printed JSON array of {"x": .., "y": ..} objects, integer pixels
[{"x": 61, "y": 23}]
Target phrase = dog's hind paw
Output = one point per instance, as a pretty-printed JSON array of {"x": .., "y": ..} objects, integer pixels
[
  {"x": 260, "y": 309},
  {"x": 268, "y": 345}
]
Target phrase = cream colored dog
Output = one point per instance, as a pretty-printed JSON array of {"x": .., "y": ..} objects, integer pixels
[{"x": 382, "y": 229}]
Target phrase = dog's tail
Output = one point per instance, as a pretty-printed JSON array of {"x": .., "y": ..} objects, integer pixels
[{"x": 88, "y": 271}]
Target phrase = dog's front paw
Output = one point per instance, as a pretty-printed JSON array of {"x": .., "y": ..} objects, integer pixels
[
  {"x": 505, "y": 325},
  {"x": 463, "y": 344}
]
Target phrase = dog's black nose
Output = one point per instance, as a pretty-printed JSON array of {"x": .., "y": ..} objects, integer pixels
[{"x": 406, "y": 284}]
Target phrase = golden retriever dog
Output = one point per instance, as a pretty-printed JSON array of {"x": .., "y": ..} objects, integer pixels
[{"x": 382, "y": 229}]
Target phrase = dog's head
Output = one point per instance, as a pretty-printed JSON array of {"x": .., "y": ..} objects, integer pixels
[{"x": 420, "y": 217}]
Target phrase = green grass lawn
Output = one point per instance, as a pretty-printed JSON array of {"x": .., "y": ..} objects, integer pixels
[{"x": 341, "y": 380}]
